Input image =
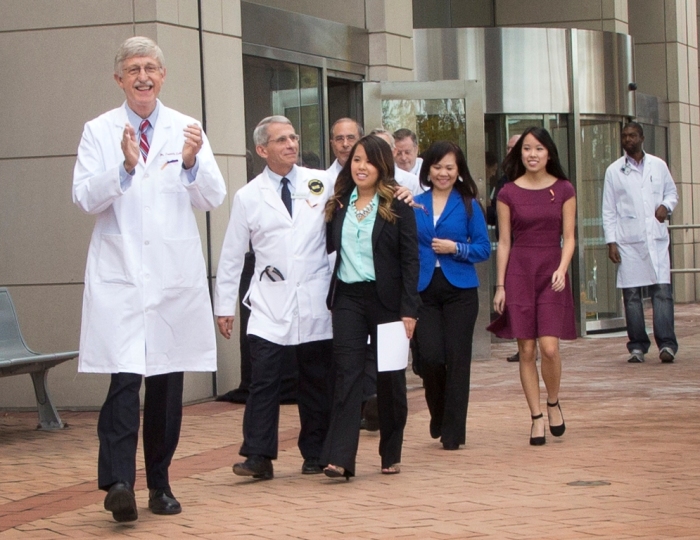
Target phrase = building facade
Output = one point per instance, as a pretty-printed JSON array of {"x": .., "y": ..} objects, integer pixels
[{"x": 444, "y": 67}]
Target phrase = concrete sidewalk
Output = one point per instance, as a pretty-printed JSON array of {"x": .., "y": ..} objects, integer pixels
[{"x": 627, "y": 467}]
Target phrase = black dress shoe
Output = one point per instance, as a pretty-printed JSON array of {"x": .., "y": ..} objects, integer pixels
[
  {"x": 450, "y": 446},
  {"x": 163, "y": 502},
  {"x": 311, "y": 466},
  {"x": 514, "y": 358},
  {"x": 256, "y": 466},
  {"x": 120, "y": 500}
]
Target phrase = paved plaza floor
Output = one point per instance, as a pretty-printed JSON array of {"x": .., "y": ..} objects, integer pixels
[{"x": 628, "y": 466}]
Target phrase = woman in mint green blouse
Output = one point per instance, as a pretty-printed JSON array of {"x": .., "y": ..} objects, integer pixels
[{"x": 375, "y": 281}]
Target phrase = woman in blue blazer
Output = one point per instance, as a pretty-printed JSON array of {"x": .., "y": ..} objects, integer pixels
[{"x": 451, "y": 238}]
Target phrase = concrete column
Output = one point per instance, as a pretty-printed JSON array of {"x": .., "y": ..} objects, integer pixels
[
  {"x": 223, "y": 97},
  {"x": 666, "y": 62},
  {"x": 390, "y": 25}
]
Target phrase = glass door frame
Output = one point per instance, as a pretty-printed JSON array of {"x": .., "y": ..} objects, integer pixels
[{"x": 471, "y": 92}]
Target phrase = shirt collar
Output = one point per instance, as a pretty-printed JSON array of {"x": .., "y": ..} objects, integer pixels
[
  {"x": 354, "y": 196},
  {"x": 135, "y": 120},
  {"x": 637, "y": 164},
  {"x": 277, "y": 179}
]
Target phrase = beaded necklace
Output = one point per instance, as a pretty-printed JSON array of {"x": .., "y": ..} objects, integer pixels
[{"x": 366, "y": 211}]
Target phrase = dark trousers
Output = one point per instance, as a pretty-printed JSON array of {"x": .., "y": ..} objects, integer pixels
[
  {"x": 444, "y": 333},
  {"x": 290, "y": 375},
  {"x": 118, "y": 428},
  {"x": 662, "y": 307},
  {"x": 356, "y": 314},
  {"x": 262, "y": 410}
]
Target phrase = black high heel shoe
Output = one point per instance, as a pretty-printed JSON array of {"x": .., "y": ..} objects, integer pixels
[
  {"x": 536, "y": 441},
  {"x": 334, "y": 471},
  {"x": 559, "y": 430}
]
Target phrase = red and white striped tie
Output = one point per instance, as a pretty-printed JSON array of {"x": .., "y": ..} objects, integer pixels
[{"x": 143, "y": 141}]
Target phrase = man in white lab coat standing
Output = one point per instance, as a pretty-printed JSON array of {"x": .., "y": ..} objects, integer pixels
[
  {"x": 638, "y": 198},
  {"x": 281, "y": 214},
  {"x": 141, "y": 169}
]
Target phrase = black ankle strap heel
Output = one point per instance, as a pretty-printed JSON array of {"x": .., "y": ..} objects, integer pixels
[
  {"x": 559, "y": 430},
  {"x": 536, "y": 441}
]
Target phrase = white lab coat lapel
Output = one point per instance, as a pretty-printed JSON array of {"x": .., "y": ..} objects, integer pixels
[{"x": 272, "y": 197}]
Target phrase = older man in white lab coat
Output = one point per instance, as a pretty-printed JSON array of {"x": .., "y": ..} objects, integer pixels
[
  {"x": 141, "y": 169},
  {"x": 638, "y": 197},
  {"x": 281, "y": 213}
]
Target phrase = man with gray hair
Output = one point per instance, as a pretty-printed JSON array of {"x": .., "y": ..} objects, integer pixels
[
  {"x": 405, "y": 179},
  {"x": 406, "y": 154},
  {"x": 281, "y": 214},
  {"x": 141, "y": 169},
  {"x": 345, "y": 132}
]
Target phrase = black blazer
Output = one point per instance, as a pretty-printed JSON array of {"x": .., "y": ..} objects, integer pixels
[{"x": 395, "y": 252}]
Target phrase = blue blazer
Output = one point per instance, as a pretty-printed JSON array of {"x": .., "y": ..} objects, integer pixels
[{"x": 454, "y": 224}]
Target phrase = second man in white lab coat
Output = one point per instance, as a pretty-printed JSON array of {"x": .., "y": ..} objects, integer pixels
[
  {"x": 638, "y": 197},
  {"x": 281, "y": 214}
]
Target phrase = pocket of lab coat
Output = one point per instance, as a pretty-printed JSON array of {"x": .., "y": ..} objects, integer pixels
[
  {"x": 171, "y": 180},
  {"x": 111, "y": 260},
  {"x": 313, "y": 293},
  {"x": 269, "y": 298},
  {"x": 183, "y": 263},
  {"x": 629, "y": 230},
  {"x": 659, "y": 230}
]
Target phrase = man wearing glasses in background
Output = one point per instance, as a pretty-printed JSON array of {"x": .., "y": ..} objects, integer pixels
[
  {"x": 281, "y": 214},
  {"x": 345, "y": 132}
]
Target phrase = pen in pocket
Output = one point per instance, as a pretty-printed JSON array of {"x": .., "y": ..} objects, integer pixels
[{"x": 167, "y": 163}]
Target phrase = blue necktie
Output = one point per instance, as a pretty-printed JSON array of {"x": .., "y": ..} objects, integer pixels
[{"x": 286, "y": 195}]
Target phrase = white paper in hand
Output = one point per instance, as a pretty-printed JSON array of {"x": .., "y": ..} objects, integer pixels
[{"x": 392, "y": 346}]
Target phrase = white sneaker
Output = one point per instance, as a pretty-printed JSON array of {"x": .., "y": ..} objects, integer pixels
[
  {"x": 636, "y": 358},
  {"x": 667, "y": 355}
]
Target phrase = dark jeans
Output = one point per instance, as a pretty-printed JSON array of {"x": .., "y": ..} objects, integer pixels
[
  {"x": 444, "y": 334},
  {"x": 262, "y": 410},
  {"x": 662, "y": 306},
  {"x": 118, "y": 428},
  {"x": 356, "y": 314}
]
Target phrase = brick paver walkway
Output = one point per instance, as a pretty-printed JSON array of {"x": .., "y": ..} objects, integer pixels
[{"x": 627, "y": 467}]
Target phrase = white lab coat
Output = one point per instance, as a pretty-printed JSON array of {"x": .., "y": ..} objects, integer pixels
[
  {"x": 630, "y": 200},
  {"x": 146, "y": 306},
  {"x": 292, "y": 310}
]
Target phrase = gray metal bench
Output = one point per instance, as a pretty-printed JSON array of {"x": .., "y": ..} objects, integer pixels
[{"x": 16, "y": 358}]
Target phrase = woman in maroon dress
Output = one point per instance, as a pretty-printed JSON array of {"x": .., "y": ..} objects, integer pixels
[{"x": 533, "y": 293}]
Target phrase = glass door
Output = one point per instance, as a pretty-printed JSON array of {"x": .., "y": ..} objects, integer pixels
[
  {"x": 601, "y": 301},
  {"x": 442, "y": 110}
]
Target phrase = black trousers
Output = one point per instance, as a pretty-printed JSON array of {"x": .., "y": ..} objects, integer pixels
[
  {"x": 290, "y": 375},
  {"x": 118, "y": 428},
  {"x": 356, "y": 314},
  {"x": 262, "y": 410},
  {"x": 444, "y": 334}
]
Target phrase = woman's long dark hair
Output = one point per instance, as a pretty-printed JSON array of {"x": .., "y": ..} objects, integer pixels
[
  {"x": 378, "y": 154},
  {"x": 513, "y": 165},
  {"x": 464, "y": 185}
]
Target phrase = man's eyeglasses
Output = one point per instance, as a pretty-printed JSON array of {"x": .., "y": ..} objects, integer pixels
[
  {"x": 284, "y": 139},
  {"x": 342, "y": 138},
  {"x": 150, "y": 69}
]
